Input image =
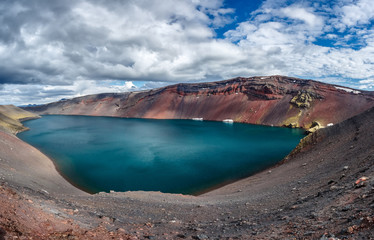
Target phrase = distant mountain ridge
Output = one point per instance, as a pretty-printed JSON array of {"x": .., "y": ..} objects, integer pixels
[{"x": 272, "y": 100}]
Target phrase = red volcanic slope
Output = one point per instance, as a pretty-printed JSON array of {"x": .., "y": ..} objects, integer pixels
[{"x": 274, "y": 100}]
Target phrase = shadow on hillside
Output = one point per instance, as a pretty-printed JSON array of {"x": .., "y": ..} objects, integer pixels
[{"x": 2, "y": 234}]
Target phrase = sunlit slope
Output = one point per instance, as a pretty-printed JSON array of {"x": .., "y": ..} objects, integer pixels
[{"x": 11, "y": 117}]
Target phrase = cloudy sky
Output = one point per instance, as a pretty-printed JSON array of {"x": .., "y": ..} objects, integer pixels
[{"x": 61, "y": 49}]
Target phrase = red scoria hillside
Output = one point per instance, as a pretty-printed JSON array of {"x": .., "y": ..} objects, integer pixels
[{"x": 274, "y": 100}]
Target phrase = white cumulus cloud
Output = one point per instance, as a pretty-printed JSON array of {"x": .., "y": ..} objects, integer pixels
[
  {"x": 360, "y": 12},
  {"x": 69, "y": 48}
]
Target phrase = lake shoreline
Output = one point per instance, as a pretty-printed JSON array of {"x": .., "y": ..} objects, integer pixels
[
  {"x": 307, "y": 190},
  {"x": 186, "y": 132}
]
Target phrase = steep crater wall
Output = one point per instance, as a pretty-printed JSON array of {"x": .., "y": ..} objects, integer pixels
[{"x": 274, "y": 100}]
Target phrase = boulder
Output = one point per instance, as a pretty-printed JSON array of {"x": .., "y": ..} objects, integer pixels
[{"x": 314, "y": 127}]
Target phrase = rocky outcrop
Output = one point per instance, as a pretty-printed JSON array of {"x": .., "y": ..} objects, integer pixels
[
  {"x": 314, "y": 127},
  {"x": 302, "y": 100},
  {"x": 274, "y": 100}
]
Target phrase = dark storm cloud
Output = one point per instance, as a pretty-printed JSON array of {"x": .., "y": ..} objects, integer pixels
[
  {"x": 17, "y": 77},
  {"x": 20, "y": 20},
  {"x": 60, "y": 41},
  {"x": 16, "y": 14}
]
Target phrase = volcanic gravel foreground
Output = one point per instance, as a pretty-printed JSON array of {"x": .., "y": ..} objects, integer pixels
[{"x": 322, "y": 190}]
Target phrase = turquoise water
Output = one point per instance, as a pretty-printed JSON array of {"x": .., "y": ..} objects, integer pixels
[{"x": 174, "y": 156}]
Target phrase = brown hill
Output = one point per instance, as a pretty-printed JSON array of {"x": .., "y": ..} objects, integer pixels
[
  {"x": 274, "y": 100},
  {"x": 11, "y": 117}
]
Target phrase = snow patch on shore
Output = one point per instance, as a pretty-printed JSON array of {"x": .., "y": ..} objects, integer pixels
[
  {"x": 348, "y": 90},
  {"x": 228, "y": 121}
]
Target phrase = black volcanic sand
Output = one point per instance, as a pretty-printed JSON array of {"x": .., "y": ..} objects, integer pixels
[{"x": 312, "y": 194}]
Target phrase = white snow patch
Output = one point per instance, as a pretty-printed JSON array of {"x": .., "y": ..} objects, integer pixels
[
  {"x": 228, "y": 121},
  {"x": 348, "y": 90}
]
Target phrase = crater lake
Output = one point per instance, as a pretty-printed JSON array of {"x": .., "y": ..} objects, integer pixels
[{"x": 172, "y": 156}]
